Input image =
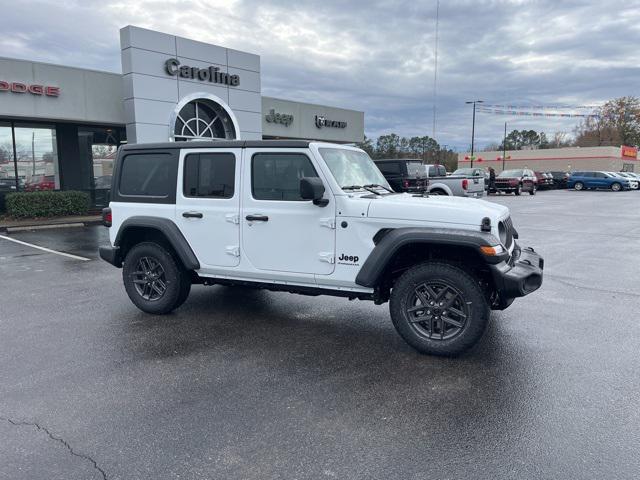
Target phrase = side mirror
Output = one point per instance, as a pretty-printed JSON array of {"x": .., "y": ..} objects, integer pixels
[{"x": 311, "y": 188}]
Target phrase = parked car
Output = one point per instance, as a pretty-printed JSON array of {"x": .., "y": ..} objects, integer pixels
[
  {"x": 411, "y": 175},
  {"x": 8, "y": 184},
  {"x": 545, "y": 180},
  {"x": 40, "y": 183},
  {"x": 596, "y": 180},
  {"x": 316, "y": 219},
  {"x": 517, "y": 181},
  {"x": 634, "y": 184},
  {"x": 103, "y": 182},
  {"x": 560, "y": 179}
]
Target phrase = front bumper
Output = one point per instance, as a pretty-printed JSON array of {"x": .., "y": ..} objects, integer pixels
[
  {"x": 111, "y": 255},
  {"x": 517, "y": 277}
]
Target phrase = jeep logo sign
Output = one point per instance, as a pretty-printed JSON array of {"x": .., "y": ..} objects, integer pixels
[
  {"x": 211, "y": 74},
  {"x": 282, "y": 118},
  {"x": 323, "y": 122}
]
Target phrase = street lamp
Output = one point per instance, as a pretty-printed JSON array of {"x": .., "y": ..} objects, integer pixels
[{"x": 473, "y": 124}]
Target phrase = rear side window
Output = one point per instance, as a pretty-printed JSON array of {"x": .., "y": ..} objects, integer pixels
[
  {"x": 276, "y": 176},
  {"x": 210, "y": 175},
  {"x": 146, "y": 175},
  {"x": 389, "y": 168},
  {"x": 415, "y": 169}
]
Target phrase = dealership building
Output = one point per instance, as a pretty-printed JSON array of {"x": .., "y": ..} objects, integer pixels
[
  {"x": 60, "y": 126},
  {"x": 609, "y": 159}
]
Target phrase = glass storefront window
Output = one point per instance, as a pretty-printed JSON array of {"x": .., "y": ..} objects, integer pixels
[
  {"x": 7, "y": 167},
  {"x": 98, "y": 148},
  {"x": 36, "y": 157}
]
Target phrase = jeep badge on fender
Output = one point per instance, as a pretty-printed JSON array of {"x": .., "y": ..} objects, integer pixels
[{"x": 264, "y": 214}]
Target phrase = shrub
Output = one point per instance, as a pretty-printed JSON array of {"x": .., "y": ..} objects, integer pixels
[{"x": 46, "y": 204}]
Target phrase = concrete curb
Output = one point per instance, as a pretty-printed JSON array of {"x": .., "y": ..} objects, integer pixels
[{"x": 47, "y": 226}]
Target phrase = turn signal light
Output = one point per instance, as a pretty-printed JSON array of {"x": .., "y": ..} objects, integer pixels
[{"x": 492, "y": 251}]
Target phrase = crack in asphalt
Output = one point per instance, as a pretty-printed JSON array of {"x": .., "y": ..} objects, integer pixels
[{"x": 59, "y": 440}]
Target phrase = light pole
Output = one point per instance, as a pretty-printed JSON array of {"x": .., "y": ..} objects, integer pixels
[
  {"x": 504, "y": 146},
  {"x": 473, "y": 125}
]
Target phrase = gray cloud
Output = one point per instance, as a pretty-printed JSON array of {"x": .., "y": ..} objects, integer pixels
[{"x": 375, "y": 56}]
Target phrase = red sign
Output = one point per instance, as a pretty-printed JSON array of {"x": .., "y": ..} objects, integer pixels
[
  {"x": 18, "y": 87},
  {"x": 629, "y": 152}
]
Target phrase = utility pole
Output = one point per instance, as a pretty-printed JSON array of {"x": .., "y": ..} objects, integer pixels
[
  {"x": 473, "y": 125},
  {"x": 435, "y": 71},
  {"x": 504, "y": 146}
]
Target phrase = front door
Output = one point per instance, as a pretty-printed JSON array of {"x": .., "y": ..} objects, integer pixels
[
  {"x": 280, "y": 231},
  {"x": 208, "y": 205}
]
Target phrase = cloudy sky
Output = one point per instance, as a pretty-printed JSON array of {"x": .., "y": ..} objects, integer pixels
[{"x": 377, "y": 57}]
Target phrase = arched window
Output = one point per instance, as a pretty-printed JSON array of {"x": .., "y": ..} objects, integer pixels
[{"x": 203, "y": 118}]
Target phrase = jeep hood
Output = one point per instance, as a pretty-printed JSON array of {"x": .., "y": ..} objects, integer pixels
[{"x": 435, "y": 208}]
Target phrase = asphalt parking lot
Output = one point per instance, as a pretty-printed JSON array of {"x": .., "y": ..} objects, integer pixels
[{"x": 244, "y": 384}]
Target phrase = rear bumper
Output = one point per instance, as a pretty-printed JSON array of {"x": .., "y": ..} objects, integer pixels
[
  {"x": 111, "y": 255},
  {"x": 520, "y": 276}
]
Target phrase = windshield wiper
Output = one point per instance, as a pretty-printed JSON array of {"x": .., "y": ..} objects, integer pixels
[
  {"x": 362, "y": 187},
  {"x": 374, "y": 185}
]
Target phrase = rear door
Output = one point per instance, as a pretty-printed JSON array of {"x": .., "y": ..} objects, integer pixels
[
  {"x": 280, "y": 231},
  {"x": 208, "y": 205}
]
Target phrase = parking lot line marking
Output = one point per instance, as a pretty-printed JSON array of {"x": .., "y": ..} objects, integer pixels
[{"x": 76, "y": 257}]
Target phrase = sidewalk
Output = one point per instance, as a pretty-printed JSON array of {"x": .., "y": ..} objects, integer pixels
[{"x": 11, "y": 225}]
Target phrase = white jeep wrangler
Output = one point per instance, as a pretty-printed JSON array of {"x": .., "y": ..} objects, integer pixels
[{"x": 311, "y": 218}]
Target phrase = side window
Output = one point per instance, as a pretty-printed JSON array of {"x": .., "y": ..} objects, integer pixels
[
  {"x": 389, "y": 168},
  {"x": 276, "y": 176},
  {"x": 600, "y": 175},
  {"x": 210, "y": 175},
  {"x": 147, "y": 174}
]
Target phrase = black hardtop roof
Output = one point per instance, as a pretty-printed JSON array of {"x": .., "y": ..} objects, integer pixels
[{"x": 220, "y": 144}]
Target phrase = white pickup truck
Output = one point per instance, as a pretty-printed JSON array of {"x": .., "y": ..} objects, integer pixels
[
  {"x": 411, "y": 175},
  {"x": 316, "y": 219}
]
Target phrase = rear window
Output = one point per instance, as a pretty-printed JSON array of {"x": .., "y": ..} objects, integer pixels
[
  {"x": 389, "y": 168},
  {"x": 146, "y": 174},
  {"x": 415, "y": 169}
]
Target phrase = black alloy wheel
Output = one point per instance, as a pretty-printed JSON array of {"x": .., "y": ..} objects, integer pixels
[
  {"x": 149, "y": 279},
  {"x": 437, "y": 310}
]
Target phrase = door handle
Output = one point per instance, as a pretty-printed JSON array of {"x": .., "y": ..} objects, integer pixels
[
  {"x": 257, "y": 218},
  {"x": 192, "y": 215}
]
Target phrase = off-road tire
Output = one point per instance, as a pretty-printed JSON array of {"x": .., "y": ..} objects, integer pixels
[
  {"x": 578, "y": 186},
  {"x": 422, "y": 335},
  {"x": 518, "y": 190},
  {"x": 616, "y": 187},
  {"x": 173, "y": 277}
]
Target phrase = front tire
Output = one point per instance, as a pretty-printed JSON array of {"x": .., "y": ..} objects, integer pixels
[
  {"x": 616, "y": 187},
  {"x": 533, "y": 190},
  {"x": 155, "y": 282},
  {"x": 438, "y": 309},
  {"x": 518, "y": 190}
]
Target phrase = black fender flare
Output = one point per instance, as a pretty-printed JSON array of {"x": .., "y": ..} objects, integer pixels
[
  {"x": 170, "y": 231},
  {"x": 383, "y": 253}
]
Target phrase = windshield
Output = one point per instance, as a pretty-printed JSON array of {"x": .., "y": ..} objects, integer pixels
[
  {"x": 350, "y": 167},
  {"x": 511, "y": 173}
]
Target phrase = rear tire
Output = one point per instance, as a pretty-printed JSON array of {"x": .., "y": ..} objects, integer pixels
[
  {"x": 155, "y": 282},
  {"x": 578, "y": 186},
  {"x": 533, "y": 190},
  {"x": 455, "y": 312}
]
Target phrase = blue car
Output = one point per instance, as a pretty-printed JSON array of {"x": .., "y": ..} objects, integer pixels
[{"x": 593, "y": 180}]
